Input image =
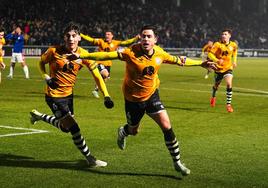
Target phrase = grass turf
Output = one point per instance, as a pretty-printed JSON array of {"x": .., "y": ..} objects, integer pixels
[{"x": 221, "y": 149}]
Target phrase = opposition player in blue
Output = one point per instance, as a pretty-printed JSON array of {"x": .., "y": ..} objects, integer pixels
[{"x": 18, "y": 41}]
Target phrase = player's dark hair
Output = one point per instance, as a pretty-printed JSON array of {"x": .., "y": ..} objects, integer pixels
[
  {"x": 109, "y": 30},
  {"x": 227, "y": 30},
  {"x": 72, "y": 26},
  {"x": 149, "y": 27},
  {"x": 2, "y": 29}
]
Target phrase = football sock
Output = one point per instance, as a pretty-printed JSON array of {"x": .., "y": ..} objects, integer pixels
[
  {"x": 229, "y": 94},
  {"x": 124, "y": 132},
  {"x": 51, "y": 120},
  {"x": 11, "y": 70},
  {"x": 79, "y": 140},
  {"x": 172, "y": 145},
  {"x": 26, "y": 71},
  {"x": 214, "y": 90}
]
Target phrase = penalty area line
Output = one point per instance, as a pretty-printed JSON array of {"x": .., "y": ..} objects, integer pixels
[{"x": 29, "y": 131}]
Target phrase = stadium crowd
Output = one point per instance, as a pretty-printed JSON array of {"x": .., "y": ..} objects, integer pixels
[{"x": 178, "y": 26}]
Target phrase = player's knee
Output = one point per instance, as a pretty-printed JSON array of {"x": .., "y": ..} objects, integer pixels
[
  {"x": 68, "y": 124},
  {"x": 63, "y": 129}
]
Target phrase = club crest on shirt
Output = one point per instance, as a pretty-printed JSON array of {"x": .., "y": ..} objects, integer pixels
[
  {"x": 158, "y": 60},
  {"x": 230, "y": 48}
]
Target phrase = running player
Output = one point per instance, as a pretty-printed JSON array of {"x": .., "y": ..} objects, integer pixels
[
  {"x": 108, "y": 44},
  {"x": 2, "y": 43},
  {"x": 224, "y": 53},
  {"x": 59, "y": 89},
  {"x": 140, "y": 88},
  {"x": 204, "y": 55}
]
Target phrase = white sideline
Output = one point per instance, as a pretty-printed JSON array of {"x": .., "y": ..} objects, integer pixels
[
  {"x": 258, "y": 93},
  {"x": 32, "y": 131}
]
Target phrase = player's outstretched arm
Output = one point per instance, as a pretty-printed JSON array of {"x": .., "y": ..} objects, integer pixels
[
  {"x": 101, "y": 84},
  {"x": 99, "y": 56},
  {"x": 213, "y": 57},
  {"x": 87, "y": 38},
  {"x": 129, "y": 41}
]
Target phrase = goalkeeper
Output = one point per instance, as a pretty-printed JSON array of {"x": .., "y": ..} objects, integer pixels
[{"x": 59, "y": 89}]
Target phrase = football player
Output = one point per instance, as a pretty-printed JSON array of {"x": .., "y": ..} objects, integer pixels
[
  {"x": 140, "y": 88},
  {"x": 108, "y": 44},
  {"x": 224, "y": 53},
  {"x": 206, "y": 48},
  {"x": 17, "y": 37},
  {"x": 2, "y": 43},
  {"x": 59, "y": 89}
]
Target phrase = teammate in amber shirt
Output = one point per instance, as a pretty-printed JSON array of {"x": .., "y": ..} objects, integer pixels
[
  {"x": 2, "y": 43},
  {"x": 108, "y": 44},
  {"x": 59, "y": 89},
  {"x": 224, "y": 53}
]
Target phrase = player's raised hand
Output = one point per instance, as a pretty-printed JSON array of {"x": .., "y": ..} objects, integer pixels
[
  {"x": 52, "y": 83},
  {"x": 108, "y": 102},
  {"x": 209, "y": 64}
]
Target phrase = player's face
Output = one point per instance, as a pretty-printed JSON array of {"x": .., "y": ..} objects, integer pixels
[
  {"x": 18, "y": 30},
  {"x": 109, "y": 36},
  {"x": 148, "y": 40},
  {"x": 71, "y": 40},
  {"x": 225, "y": 36}
]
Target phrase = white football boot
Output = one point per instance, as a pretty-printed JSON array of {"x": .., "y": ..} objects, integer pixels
[
  {"x": 35, "y": 116},
  {"x": 181, "y": 168},
  {"x": 93, "y": 162}
]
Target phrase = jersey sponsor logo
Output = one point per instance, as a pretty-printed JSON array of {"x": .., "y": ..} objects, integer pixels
[{"x": 148, "y": 71}]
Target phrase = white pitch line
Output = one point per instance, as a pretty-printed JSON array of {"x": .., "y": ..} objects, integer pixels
[
  {"x": 260, "y": 92},
  {"x": 200, "y": 91},
  {"x": 33, "y": 131}
]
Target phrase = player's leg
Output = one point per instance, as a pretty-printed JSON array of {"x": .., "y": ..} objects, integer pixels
[
  {"x": 229, "y": 91},
  {"x": 217, "y": 81},
  {"x": 2, "y": 67},
  {"x": 157, "y": 112},
  {"x": 68, "y": 123},
  {"x": 63, "y": 120},
  {"x": 207, "y": 73},
  {"x": 12, "y": 66},
  {"x": 21, "y": 59},
  {"x": 134, "y": 113},
  {"x": 50, "y": 119},
  {"x": 104, "y": 73}
]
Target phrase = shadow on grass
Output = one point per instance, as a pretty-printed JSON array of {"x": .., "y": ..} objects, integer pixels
[{"x": 9, "y": 160}]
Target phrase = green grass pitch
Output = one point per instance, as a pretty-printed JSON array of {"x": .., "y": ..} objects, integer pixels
[{"x": 221, "y": 149}]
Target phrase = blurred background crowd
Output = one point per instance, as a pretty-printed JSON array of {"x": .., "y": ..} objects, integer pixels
[{"x": 185, "y": 24}]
